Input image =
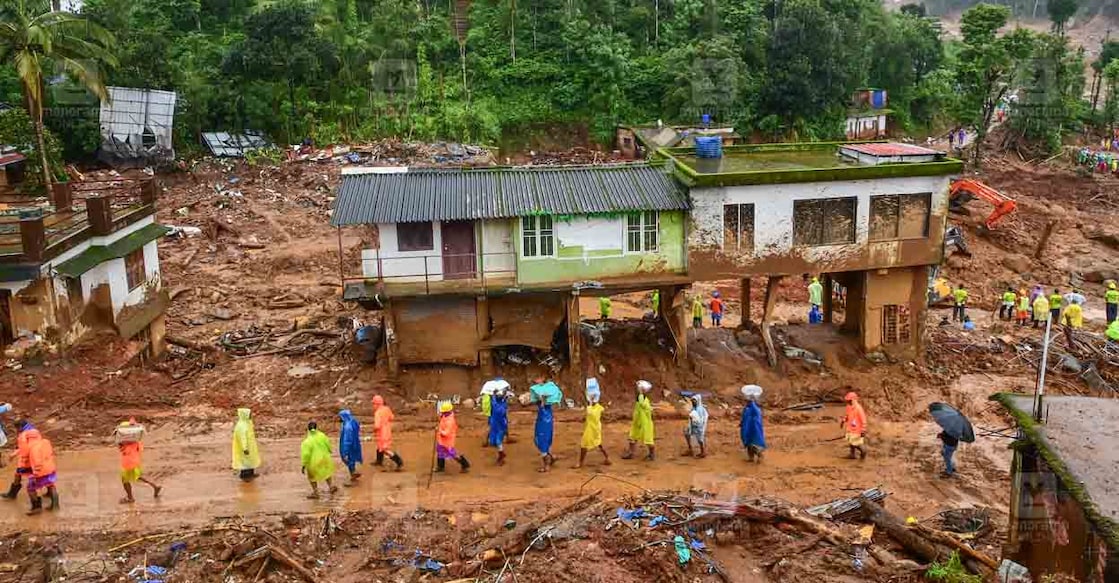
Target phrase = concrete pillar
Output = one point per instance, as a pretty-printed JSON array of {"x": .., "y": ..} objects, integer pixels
[
  {"x": 99, "y": 210},
  {"x": 574, "y": 338},
  {"x": 390, "y": 338},
  {"x": 149, "y": 190},
  {"x": 677, "y": 319},
  {"x": 918, "y": 306},
  {"x": 62, "y": 196},
  {"x": 826, "y": 281},
  {"x": 745, "y": 294},
  {"x": 485, "y": 355},
  {"x": 33, "y": 237},
  {"x": 770, "y": 303}
]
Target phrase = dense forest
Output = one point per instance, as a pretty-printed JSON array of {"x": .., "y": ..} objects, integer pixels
[{"x": 481, "y": 70}]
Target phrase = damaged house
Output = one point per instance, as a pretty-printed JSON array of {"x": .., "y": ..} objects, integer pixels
[
  {"x": 136, "y": 126},
  {"x": 868, "y": 218},
  {"x": 466, "y": 261},
  {"x": 87, "y": 260}
]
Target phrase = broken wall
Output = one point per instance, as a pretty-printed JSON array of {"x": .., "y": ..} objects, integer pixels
[
  {"x": 774, "y": 249},
  {"x": 525, "y": 319},
  {"x": 435, "y": 330},
  {"x": 893, "y": 306}
]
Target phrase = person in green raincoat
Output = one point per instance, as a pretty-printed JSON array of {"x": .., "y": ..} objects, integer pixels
[
  {"x": 317, "y": 463},
  {"x": 246, "y": 456},
  {"x": 641, "y": 430}
]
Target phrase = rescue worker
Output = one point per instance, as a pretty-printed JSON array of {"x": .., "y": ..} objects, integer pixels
[
  {"x": 592, "y": 426},
  {"x": 1113, "y": 332},
  {"x": 716, "y": 309},
  {"x": 1055, "y": 301},
  {"x": 246, "y": 455},
  {"x": 445, "y": 439},
  {"x": 959, "y": 306},
  {"x": 604, "y": 307},
  {"x": 131, "y": 466},
  {"x": 697, "y": 427},
  {"x": 1074, "y": 316},
  {"x": 499, "y": 421},
  {"x": 854, "y": 426},
  {"x": 1037, "y": 292},
  {"x": 1111, "y": 301},
  {"x": 349, "y": 444},
  {"x": 1006, "y": 308},
  {"x": 23, "y": 458},
  {"x": 750, "y": 427},
  {"x": 816, "y": 293},
  {"x": 1041, "y": 310},
  {"x": 317, "y": 465},
  {"x": 545, "y": 394},
  {"x": 697, "y": 312},
  {"x": 382, "y": 432},
  {"x": 1023, "y": 314},
  {"x": 43, "y": 475},
  {"x": 655, "y": 301},
  {"x": 641, "y": 429}
]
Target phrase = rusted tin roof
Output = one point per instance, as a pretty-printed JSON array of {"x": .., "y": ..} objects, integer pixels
[
  {"x": 417, "y": 195},
  {"x": 891, "y": 149}
]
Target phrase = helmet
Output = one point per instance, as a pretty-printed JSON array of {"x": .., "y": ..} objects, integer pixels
[
  {"x": 815, "y": 279},
  {"x": 378, "y": 400},
  {"x": 446, "y": 407},
  {"x": 715, "y": 293},
  {"x": 644, "y": 386},
  {"x": 1111, "y": 285},
  {"x": 850, "y": 396}
]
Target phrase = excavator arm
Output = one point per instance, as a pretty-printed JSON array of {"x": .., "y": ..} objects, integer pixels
[{"x": 964, "y": 189}]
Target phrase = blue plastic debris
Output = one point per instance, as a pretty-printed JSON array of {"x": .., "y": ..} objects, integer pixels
[
  {"x": 683, "y": 553},
  {"x": 697, "y": 545},
  {"x": 148, "y": 575},
  {"x": 631, "y": 514},
  {"x": 353, "y": 157},
  {"x": 657, "y": 520}
]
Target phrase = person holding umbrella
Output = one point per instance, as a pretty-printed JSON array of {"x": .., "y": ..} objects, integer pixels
[{"x": 954, "y": 429}]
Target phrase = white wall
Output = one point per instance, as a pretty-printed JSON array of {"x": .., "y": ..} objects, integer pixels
[
  {"x": 114, "y": 273},
  {"x": 773, "y": 211},
  {"x": 497, "y": 245},
  {"x": 597, "y": 236},
  {"x": 408, "y": 266}
]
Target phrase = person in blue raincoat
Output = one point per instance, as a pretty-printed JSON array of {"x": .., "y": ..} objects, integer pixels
[
  {"x": 499, "y": 421},
  {"x": 349, "y": 444},
  {"x": 545, "y": 394},
  {"x": 751, "y": 429}
]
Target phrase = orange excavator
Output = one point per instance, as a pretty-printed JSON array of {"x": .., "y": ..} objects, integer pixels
[{"x": 965, "y": 189}]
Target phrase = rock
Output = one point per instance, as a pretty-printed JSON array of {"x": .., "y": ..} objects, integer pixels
[
  {"x": 1017, "y": 263},
  {"x": 1107, "y": 237},
  {"x": 746, "y": 338},
  {"x": 525, "y": 398},
  {"x": 1101, "y": 275},
  {"x": 956, "y": 262},
  {"x": 302, "y": 371},
  {"x": 876, "y": 357},
  {"x": 468, "y": 403},
  {"x": 223, "y": 314}
]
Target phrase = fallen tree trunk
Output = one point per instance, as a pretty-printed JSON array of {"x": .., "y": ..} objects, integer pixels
[
  {"x": 196, "y": 346},
  {"x": 957, "y": 544},
  {"x": 916, "y": 541}
]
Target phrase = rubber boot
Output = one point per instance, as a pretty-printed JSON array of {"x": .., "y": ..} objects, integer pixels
[
  {"x": 500, "y": 458},
  {"x": 13, "y": 491},
  {"x": 36, "y": 506},
  {"x": 380, "y": 459},
  {"x": 464, "y": 463},
  {"x": 54, "y": 498},
  {"x": 440, "y": 465},
  {"x": 398, "y": 461},
  {"x": 652, "y": 454}
]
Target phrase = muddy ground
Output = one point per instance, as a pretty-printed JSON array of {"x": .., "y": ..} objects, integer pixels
[{"x": 258, "y": 323}]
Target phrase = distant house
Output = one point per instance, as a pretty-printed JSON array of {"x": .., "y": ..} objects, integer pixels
[
  {"x": 638, "y": 142},
  {"x": 1064, "y": 499},
  {"x": 13, "y": 165},
  {"x": 462, "y": 258},
  {"x": 88, "y": 260},
  {"x": 136, "y": 126},
  {"x": 868, "y": 118}
]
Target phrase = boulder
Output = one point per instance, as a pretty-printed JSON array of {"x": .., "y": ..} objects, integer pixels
[
  {"x": 1109, "y": 237},
  {"x": 1017, "y": 263},
  {"x": 1101, "y": 275}
]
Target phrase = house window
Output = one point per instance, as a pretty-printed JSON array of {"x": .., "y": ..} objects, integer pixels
[
  {"x": 538, "y": 238},
  {"x": 899, "y": 216},
  {"x": 414, "y": 237},
  {"x": 134, "y": 269},
  {"x": 738, "y": 227},
  {"x": 643, "y": 232},
  {"x": 895, "y": 324},
  {"x": 824, "y": 221}
]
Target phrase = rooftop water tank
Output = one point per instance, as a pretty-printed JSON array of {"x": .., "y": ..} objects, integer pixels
[{"x": 708, "y": 147}]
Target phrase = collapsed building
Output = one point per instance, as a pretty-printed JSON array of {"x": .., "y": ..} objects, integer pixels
[
  {"x": 85, "y": 260},
  {"x": 468, "y": 260}
]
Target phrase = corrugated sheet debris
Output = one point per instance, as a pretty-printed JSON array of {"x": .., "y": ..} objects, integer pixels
[
  {"x": 420, "y": 195},
  {"x": 234, "y": 145}
]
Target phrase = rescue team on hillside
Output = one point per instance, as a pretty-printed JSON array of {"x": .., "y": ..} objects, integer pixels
[{"x": 1037, "y": 307}]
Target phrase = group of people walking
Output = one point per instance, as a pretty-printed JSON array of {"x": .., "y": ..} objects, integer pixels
[{"x": 1038, "y": 307}]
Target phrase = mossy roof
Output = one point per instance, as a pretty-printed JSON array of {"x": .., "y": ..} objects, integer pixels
[
  {"x": 1079, "y": 441},
  {"x": 97, "y": 254}
]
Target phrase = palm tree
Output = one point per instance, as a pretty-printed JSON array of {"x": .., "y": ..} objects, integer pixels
[{"x": 33, "y": 37}]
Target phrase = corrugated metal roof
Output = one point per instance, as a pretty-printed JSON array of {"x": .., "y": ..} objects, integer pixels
[
  {"x": 891, "y": 149},
  {"x": 488, "y": 193},
  {"x": 234, "y": 145}
]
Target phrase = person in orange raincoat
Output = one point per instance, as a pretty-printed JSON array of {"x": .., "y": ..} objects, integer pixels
[
  {"x": 43, "y": 470},
  {"x": 854, "y": 426},
  {"x": 382, "y": 430},
  {"x": 131, "y": 468},
  {"x": 445, "y": 439},
  {"x": 23, "y": 460}
]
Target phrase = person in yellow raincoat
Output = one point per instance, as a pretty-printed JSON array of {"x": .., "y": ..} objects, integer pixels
[
  {"x": 1041, "y": 310},
  {"x": 641, "y": 430},
  {"x": 1074, "y": 316},
  {"x": 592, "y": 426},
  {"x": 246, "y": 456},
  {"x": 317, "y": 463}
]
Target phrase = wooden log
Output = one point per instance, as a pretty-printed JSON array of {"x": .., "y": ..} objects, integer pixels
[
  {"x": 893, "y": 526},
  {"x": 196, "y": 346},
  {"x": 770, "y": 303},
  {"x": 278, "y": 554},
  {"x": 957, "y": 544}
]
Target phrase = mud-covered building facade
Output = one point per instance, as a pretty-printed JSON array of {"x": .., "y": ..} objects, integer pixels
[
  {"x": 466, "y": 261},
  {"x": 84, "y": 260},
  {"x": 869, "y": 218},
  {"x": 1064, "y": 499}
]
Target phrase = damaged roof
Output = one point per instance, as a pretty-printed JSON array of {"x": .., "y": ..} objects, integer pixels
[{"x": 420, "y": 195}]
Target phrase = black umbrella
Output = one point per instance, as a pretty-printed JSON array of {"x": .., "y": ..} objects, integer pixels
[{"x": 952, "y": 422}]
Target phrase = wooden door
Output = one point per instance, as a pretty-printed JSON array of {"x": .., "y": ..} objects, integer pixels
[
  {"x": 7, "y": 334},
  {"x": 459, "y": 252}
]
